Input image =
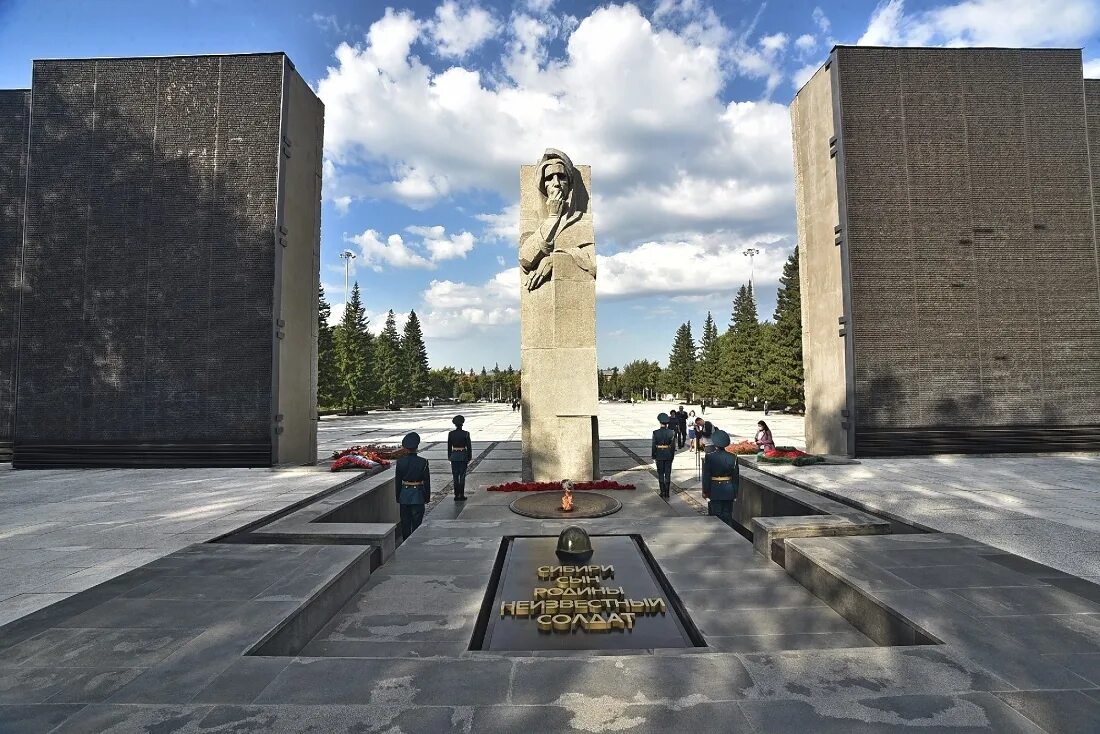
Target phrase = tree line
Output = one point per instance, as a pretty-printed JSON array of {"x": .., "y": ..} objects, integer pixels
[
  {"x": 747, "y": 364},
  {"x": 357, "y": 369}
]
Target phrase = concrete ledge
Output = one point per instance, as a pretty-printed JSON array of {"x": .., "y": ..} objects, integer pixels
[
  {"x": 876, "y": 620},
  {"x": 365, "y": 512},
  {"x": 942, "y": 589},
  {"x": 770, "y": 533},
  {"x": 294, "y": 632},
  {"x": 771, "y": 510}
]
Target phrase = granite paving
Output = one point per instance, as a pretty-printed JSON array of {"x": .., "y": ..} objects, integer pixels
[
  {"x": 228, "y": 637},
  {"x": 64, "y": 531}
]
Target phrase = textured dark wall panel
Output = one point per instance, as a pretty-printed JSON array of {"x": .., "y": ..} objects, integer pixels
[
  {"x": 14, "y": 108},
  {"x": 149, "y": 265},
  {"x": 970, "y": 233}
]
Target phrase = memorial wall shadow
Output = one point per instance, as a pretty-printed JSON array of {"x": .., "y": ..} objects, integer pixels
[
  {"x": 145, "y": 330},
  {"x": 970, "y": 423}
]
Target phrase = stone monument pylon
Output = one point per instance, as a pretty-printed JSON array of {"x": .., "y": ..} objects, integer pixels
[{"x": 557, "y": 262}]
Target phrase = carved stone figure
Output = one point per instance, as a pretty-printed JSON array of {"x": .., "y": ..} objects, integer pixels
[
  {"x": 564, "y": 202},
  {"x": 557, "y": 283}
]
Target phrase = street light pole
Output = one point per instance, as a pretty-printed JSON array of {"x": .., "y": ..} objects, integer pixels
[
  {"x": 347, "y": 256},
  {"x": 751, "y": 252}
]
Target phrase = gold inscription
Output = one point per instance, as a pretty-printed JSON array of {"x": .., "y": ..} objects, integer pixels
[{"x": 578, "y": 600}]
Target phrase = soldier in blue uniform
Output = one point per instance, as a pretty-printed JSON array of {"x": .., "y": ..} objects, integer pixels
[
  {"x": 663, "y": 451},
  {"x": 720, "y": 478},
  {"x": 413, "y": 485},
  {"x": 459, "y": 451}
]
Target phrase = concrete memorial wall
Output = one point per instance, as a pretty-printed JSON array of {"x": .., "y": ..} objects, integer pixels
[
  {"x": 171, "y": 264},
  {"x": 14, "y": 111},
  {"x": 961, "y": 244}
]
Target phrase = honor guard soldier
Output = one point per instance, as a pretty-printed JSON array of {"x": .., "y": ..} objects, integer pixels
[
  {"x": 459, "y": 451},
  {"x": 720, "y": 478},
  {"x": 663, "y": 451},
  {"x": 413, "y": 484}
]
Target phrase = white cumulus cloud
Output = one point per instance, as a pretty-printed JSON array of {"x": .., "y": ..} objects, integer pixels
[
  {"x": 1008, "y": 23},
  {"x": 458, "y": 30},
  {"x": 435, "y": 245},
  {"x": 455, "y": 309},
  {"x": 442, "y": 246},
  {"x": 376, "y": 252},
  {"x": 705, "y": 266},
  {"x": 805, "y": 43},
  {"x": 638, "y": 101}
]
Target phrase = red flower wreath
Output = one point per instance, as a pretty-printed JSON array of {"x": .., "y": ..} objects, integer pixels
[{"x": 551, "y": 486}]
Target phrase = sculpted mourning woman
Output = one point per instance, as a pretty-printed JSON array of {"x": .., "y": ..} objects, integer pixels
[{"x": 564, "y": 203}]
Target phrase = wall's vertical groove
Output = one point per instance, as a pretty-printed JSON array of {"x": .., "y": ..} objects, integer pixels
[{"x": 14, "y": 115}]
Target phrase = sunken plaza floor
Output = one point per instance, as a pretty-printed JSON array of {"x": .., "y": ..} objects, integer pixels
[{"x": 302, "y": 616}]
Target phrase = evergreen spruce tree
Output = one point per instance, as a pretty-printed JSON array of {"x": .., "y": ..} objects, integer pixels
[
  {"x": 707, "y": 368},
  {"x": 781, "y": 371},
  {"x": 414, "y": 358},
  {"x": 388, "y": 363},
  {"x": 353, "y": 352},
  {"x": 328, "y": 373},
  {"x": 676, "y": 379},
  {"x": 741, "y": 350}
]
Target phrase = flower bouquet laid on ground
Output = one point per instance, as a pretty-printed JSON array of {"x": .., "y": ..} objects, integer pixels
[
  {"x": 788, "y": 455},
  {"x": 548, "y": 486},
  {"x": 742, "y": 448},
  {"x": 366, "y": 457}
]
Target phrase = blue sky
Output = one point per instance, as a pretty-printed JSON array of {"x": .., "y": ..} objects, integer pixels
[{"x": 680, "y": 106}]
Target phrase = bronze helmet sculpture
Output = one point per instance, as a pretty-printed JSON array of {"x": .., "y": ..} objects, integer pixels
[{"x": 574, "y": 544}]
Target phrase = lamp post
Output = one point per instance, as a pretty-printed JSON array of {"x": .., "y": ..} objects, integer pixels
[
  {"x": 751, "y": 252},
  {"x": 347, "y": 256}
]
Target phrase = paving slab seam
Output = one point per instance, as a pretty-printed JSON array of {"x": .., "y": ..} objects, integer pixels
[
  {"x": 447, "y": 488},
  {"x": 685, "y": 494}
]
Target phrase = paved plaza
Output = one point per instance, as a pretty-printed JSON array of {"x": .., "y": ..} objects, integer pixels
[
  {"x": 969, "y": 629},
  {"x": 64, "y": 531}
]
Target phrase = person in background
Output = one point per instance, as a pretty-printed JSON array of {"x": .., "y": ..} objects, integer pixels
[
  {"x": 459, "y": 452},
  {"x": 663, "y": 451},
  {"x": 720, "y": 479},
  {"x": 691, "y": 431},
  {"x": 764, "y": 440},
  {"x": 681, "y": 427},
  {"x": 708, "y": 433},
  {"x": 702, "y": 408},
  {"x": 698, "y": 435},
  {"x": 413, "y": 484}
]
